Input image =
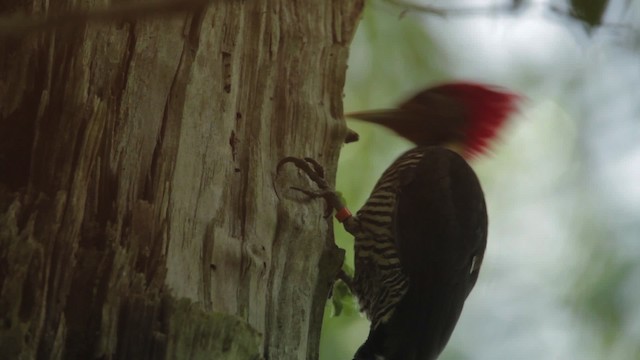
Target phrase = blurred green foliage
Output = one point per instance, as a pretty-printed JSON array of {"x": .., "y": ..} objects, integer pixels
[{"x": 392, "y": 56}]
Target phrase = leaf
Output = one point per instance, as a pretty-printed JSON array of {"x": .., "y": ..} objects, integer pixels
[
  {"x": 342, "y": 300},
  {"x": 590, "y": 12}
]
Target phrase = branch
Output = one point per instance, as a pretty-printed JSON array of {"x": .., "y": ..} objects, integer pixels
[
  {"x": 409, "y": 6},
  {"x": 18, "y": 25},
  {"x": 444, "y": 12}
]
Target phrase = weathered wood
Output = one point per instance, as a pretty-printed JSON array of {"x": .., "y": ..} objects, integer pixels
[{"x": 138, "y": 196}]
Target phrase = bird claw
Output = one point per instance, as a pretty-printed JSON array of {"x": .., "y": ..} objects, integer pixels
[
  {"x": 316, "y": 166},
  {"x": 326, "y": 195},
  {"x": 346, "y": 279},
  {"x": 309, "y": 166},
  {"x": 315, "y": 172}
]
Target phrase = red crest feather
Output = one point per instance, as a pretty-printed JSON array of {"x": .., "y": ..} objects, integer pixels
[
  {"x": 488, "y": 108},
  {"x": 460, "y": 112}
]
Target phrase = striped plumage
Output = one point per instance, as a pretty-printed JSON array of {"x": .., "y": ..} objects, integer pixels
[
  {"x": 420, "y": 241},
  {"x": 376, "y": 255},
  {"x": 421, "y": 235}
]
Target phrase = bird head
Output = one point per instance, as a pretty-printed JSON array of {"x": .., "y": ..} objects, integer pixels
[{"x": 461, "y": 115}]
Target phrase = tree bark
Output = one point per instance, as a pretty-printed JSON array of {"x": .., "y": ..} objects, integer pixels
[{"x": 141, "y": 216}]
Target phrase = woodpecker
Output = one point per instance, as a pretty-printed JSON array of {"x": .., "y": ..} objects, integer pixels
[{"x": 421, "y": 235}]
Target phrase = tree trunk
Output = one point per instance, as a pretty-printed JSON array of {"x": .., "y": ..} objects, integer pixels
[{"x": 141, "y": 216}]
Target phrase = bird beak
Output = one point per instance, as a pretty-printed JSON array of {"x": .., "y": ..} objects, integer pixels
[{"x": 377, "y": 116}]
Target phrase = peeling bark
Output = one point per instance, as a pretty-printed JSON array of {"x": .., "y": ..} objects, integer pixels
[{"x": 140, "y": 212}]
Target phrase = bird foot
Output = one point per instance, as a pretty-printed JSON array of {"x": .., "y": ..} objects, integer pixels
[
  {"x": 346, "y": 279},
  {"x": 315, "y": 172},
  {"x": 309, "y": 166},
  {"x": 327, "y": 195}
]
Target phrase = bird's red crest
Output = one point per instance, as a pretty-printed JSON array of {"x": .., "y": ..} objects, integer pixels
[
  {"x": 459, "y": 113},
  {"x": 488, "y": 109}
]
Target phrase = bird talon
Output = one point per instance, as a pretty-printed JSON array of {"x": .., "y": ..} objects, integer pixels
[
  {"x": 314, "y": 194},
  {"x": 326, "y": 195},
  {"x": 309, "y": 193},
  {"x": 316, "y": 174},
  {"x": 346, "y": 279},
  {"x": 316, "y": 166}
]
